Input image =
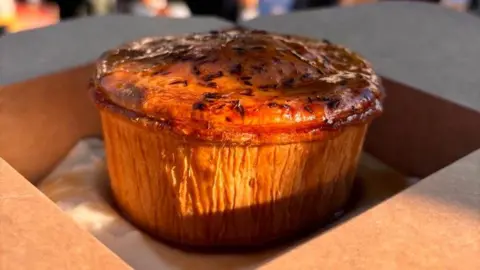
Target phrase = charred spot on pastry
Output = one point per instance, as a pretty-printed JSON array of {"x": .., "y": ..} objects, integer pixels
[
  {"x": 326, "y": 41},
  {"x": 201, "y": 57},
  {"x": 245, "y": 78},
  {"x": 287, "y": 83},
  {"x": 214, "y": 32},
  {"x": 267, "y": 86},
  {"x": 322, "y": 98},
  {"x": 196, "y": 70},
  {"x": 272, "y": 104},
  {"x": 166, "y": 123},
  {"x": 321, "y": 71},
  {"x": 333, "y": 103},
  {"x": 239, "y": 50},
  {"x": 228, "y": 119},
  {"x": 199, "y": 106},
  {"x": 246, "y": 82},
  {"x": 161, "y": 72},
  {"x": 306, "y": 76},
  {"x": 212, "y": 76},
  {"x": 211, "y": 85},
  {"x": 308, "y": 109},
  {"x": 208, "y": 84},
  {"x": 209, "y": 95},
  {"x": 236, "y": 69},
  {"x": 184, "y": 82},
  {"x": 343, "y": 82}
]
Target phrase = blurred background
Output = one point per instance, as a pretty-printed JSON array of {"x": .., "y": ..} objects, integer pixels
[{"x": 18, "y": 15}]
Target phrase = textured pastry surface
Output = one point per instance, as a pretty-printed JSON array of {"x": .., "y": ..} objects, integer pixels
[
  {"x": 225, "y": 196},
  {"x": 237, "y": 85}
]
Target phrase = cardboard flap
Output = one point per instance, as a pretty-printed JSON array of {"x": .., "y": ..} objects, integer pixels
[
  {"x": 419, "y": 133},
  {"x": 433, "y": 225},
  {"x": 43, "y": 118},
  {"x": 35, "y": 232}
]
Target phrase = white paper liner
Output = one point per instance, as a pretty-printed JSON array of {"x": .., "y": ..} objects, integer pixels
[{"x": 79, "y": 186}]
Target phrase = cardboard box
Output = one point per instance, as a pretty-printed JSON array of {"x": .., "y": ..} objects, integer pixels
[{"x": 433, "y": 133}]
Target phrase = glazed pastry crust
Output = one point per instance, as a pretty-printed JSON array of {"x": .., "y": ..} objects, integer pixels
[
  {"x": 239, "y": 86},
  {"x": 235, "y": 137}
]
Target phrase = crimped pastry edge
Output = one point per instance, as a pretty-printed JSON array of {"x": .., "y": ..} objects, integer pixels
[{"x": 251, "y": 135}]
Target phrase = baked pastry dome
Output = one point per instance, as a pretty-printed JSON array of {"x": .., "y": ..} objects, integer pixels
[{"x": 233, "y": 137}]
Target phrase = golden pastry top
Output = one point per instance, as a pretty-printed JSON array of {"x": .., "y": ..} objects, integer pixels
[{"x": 238, "y": 85}]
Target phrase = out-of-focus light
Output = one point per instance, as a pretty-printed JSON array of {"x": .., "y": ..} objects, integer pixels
[{"x": 33, "y": 15}]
